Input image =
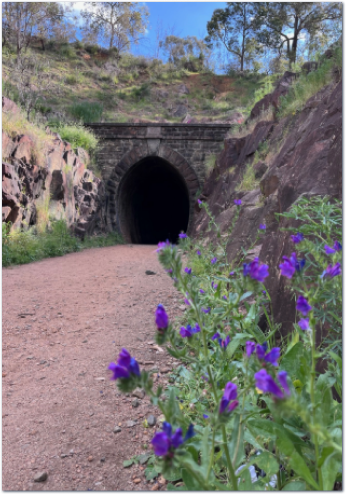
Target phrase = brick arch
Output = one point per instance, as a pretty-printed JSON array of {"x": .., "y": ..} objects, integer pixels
[{"x": 133, "y": 157}]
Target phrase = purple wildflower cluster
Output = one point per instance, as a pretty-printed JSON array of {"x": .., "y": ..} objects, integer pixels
[
  {"x": 266, "y": 383},
  {"x": 255, "y": 270},
  {"x": 182, "y": 235},
  {"x": 189, "y": 331},
  {"x": 291, "y": 265},
  {"x": 332, "y": 271},
  {"x": 188, "y": 270},
  {"x": 228, "y": 401},
  {"x": 213, "y": 261},
  {"x": 303, "y": 306},
  {"x": 262, "y": 226},
  {"x": 331, "y": 250},
  {"x": 271, "y": 357},
  {"x": 166, "y": 442},
  {"x": 222, "y": 342},
  {"x": 125, "y": 366},
  {"x": 297, "y": 238},
  {"x": 163, "y": 245},
  {"x": 237, "y": 202}
]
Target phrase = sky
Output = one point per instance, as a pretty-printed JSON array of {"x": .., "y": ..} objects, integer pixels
[{"x": 185, "y": 18}]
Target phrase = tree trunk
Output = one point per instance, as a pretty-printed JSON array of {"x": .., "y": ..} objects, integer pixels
[{"x": 293, "y": 54}]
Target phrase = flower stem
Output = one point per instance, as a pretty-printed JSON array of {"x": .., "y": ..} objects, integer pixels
[
  {"x": 228, "y": 457},
  {"x": 312, "y": 396}
]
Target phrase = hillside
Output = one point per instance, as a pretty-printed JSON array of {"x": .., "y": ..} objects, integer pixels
[{"x": 86, "y": 83}]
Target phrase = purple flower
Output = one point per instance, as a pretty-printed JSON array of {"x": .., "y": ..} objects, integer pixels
[
  {"x": 189, "y": 331},
  {"x": 182, "y": 235},
  {"x": 255, "y": 270},
  {"x": 205, "y": 416},
  {"x": 230, "y": 394},
  {"x": 282, "y": 377},
  {"x": 201, "y": 291},
  {"x": 266, "y": 383},
  {"x": 164, "y": 443},
  {"x": 224, "y": 297},
  {"x": 231, "y": 273},
  {"x": 213, "y": 261},
  {"x": 290, "y": 265},
  {"x": 224, "y": 343},
  {"x": 331, "y": 250},
  {"x": 206, "y": 311},
  {"x": 198, "y": 252},
  {"x": 297, "y": 238},
  {"x": 162, "y": 245},
  {"x": 260, "y": 351},
  {"x": 304, "y": 323},
  {"x": 215, "y": 336},
  {"x": 250, "y": 347},
  {"x": 188, "y": 270},
  {"x": 332, "y": 271},
  {"x": 161, "y": 317},
  {"x": 125, "y": 366},
  {"x": 303, "y": 306},
  {"x": 199, "y": 201},
  {"x": 186, "y": 301},
  {"x": 237, "y": 202},
  {"x": 213, "y": 285},
  {"x": 272, "y": 356},
  {"x": 262, "y": 226}
]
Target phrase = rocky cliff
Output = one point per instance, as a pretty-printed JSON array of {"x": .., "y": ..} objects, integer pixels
[
  {"x": 305, "y": 158},
  {"x": 59, "y": 188}
]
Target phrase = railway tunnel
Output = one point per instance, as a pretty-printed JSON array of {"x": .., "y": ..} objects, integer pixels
[{"x": 153, "y": 202}]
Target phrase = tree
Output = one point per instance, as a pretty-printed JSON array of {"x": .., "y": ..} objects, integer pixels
[
  {"x": 189, "y": 52},
  {"x": 119, "y": 24},
  {"x": 283, "y": 23},
  {"x": 234, "y": 27},
  {"x": 22, "y": 22}
]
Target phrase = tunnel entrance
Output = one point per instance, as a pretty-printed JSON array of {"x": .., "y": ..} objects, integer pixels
[{"x": 153, "y": 202}]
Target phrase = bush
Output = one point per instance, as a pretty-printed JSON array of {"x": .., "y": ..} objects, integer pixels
[
  {"x": 242, "y": 413},
  {"x": 307, "y": 85},
  {"x": 86, "y": 111},
  {"x": 92, "y": 49},
  {"x": 67, "y": 51},
  {"x": 72, "y": 79},
  {"x": 78, "y": 136},
  {"x": 24, "y": 247}
]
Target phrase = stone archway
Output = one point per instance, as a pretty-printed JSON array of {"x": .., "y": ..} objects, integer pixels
[{"x": 151, "y": 194}]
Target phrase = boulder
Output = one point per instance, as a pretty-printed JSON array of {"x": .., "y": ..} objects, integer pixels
[
  {"x": 260, "y": 169},
  {"x": 180, "y": 111},
  {"x": 183, "y": 89},
  {"x": 8, "y": 106}
]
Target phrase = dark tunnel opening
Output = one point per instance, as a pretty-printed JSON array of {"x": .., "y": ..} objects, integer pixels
[{"x": 153, "y": 202}]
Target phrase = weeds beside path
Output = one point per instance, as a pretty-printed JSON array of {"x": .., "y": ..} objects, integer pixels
[{"x": 64, "y": 320}]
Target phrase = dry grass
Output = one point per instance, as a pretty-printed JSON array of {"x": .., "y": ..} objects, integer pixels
[
  {"x": 209, "y": 164},
  {"x": 16, "y": 125}
]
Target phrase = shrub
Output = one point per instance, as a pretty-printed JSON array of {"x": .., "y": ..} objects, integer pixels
[
  {"x": 67, "y": 51},
  {"x": 24, "y": 247},
  {"x": 78, "y": 136},
  {"x": 209, "y": 164},
  {"x": 72, "y": 79},
  {"x": 307, "y": 85},
  {"x": 86, "y": 111},
  {"x": 243, "y": 413}
]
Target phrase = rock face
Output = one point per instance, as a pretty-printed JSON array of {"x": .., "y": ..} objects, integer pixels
[
  {"x": 305, "y": 159},
  {"x": 61, "y": 189}
]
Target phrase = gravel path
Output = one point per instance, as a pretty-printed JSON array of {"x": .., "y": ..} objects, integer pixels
[{"x": 64, "y": 320}]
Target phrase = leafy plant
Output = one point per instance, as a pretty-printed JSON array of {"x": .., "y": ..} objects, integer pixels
[
  {"x": 241, "y": 413},
  {"x": 86, "y": 111},
  {"x": 77, "y": 135}
]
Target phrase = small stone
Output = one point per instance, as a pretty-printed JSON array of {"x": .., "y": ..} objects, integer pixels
[
  {"x": 42, "y": 476},
  {"x": 117, "y": 429},
  {"x": 138, "y": 392},
  {"x": 130, "y": 423},
  {"x": 149, "y": 272},
  {"x": 63, "y": 456},
  {"x": 85, "y": 341},
  {"x": 161, "y": 418},
  {"x": 135, "y": 403},
  {"x": 90, "y": 458},
  {"x": 3, "y": 375},
  {"x": 161, "y": 480},
  {"x": 103, "y": 459},
  {"x": 30, "y": 357},
  {"x": 137, "y": 480},
  {"x": 182, "y": 308},
  {"x": 166, "y": 370},
  {"x": 151, "y": 420},
  {"x": 155, "y": 487}
]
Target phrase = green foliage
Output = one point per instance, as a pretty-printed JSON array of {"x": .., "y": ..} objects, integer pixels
[
  {"x": 295, "y": 438},
  {"x": 77, "y": 135},
  {"x": 308, "y": 85},
  {"x": 86, "y": 111},
  {"x": 24, "y": 247}
]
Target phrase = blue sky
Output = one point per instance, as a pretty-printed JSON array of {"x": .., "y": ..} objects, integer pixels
[{"x": 187, "y": 19}]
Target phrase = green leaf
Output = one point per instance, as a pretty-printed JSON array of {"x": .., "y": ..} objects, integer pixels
[
  {"x": 173, "y": 474},
  {"x": 173, "y": 488},
  {"x": 295, "y": 362},
  {"x": 245, "y": 483},
  {"x": 236, "y": 445},
  {"x": 295, "y": 460},
  {"x": 151, "y": 473},
  {"x": 143, "y": 458},
  {"x": 267, "y": 462},
  {"x": 190, "y": 481},
  {"x": 128, "y": 463},
  {"x": 295, "y": 486},
  {"x": 238, "y": 339},
  {"x": 245, "y": 295},
  {"x": 330, "y": 469}
]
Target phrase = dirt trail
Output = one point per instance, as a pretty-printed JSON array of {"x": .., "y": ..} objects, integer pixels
[{"x": 64, "y": 320}]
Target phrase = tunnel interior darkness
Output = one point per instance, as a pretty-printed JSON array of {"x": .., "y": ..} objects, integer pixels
[{"x": 153, "y": 202}]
